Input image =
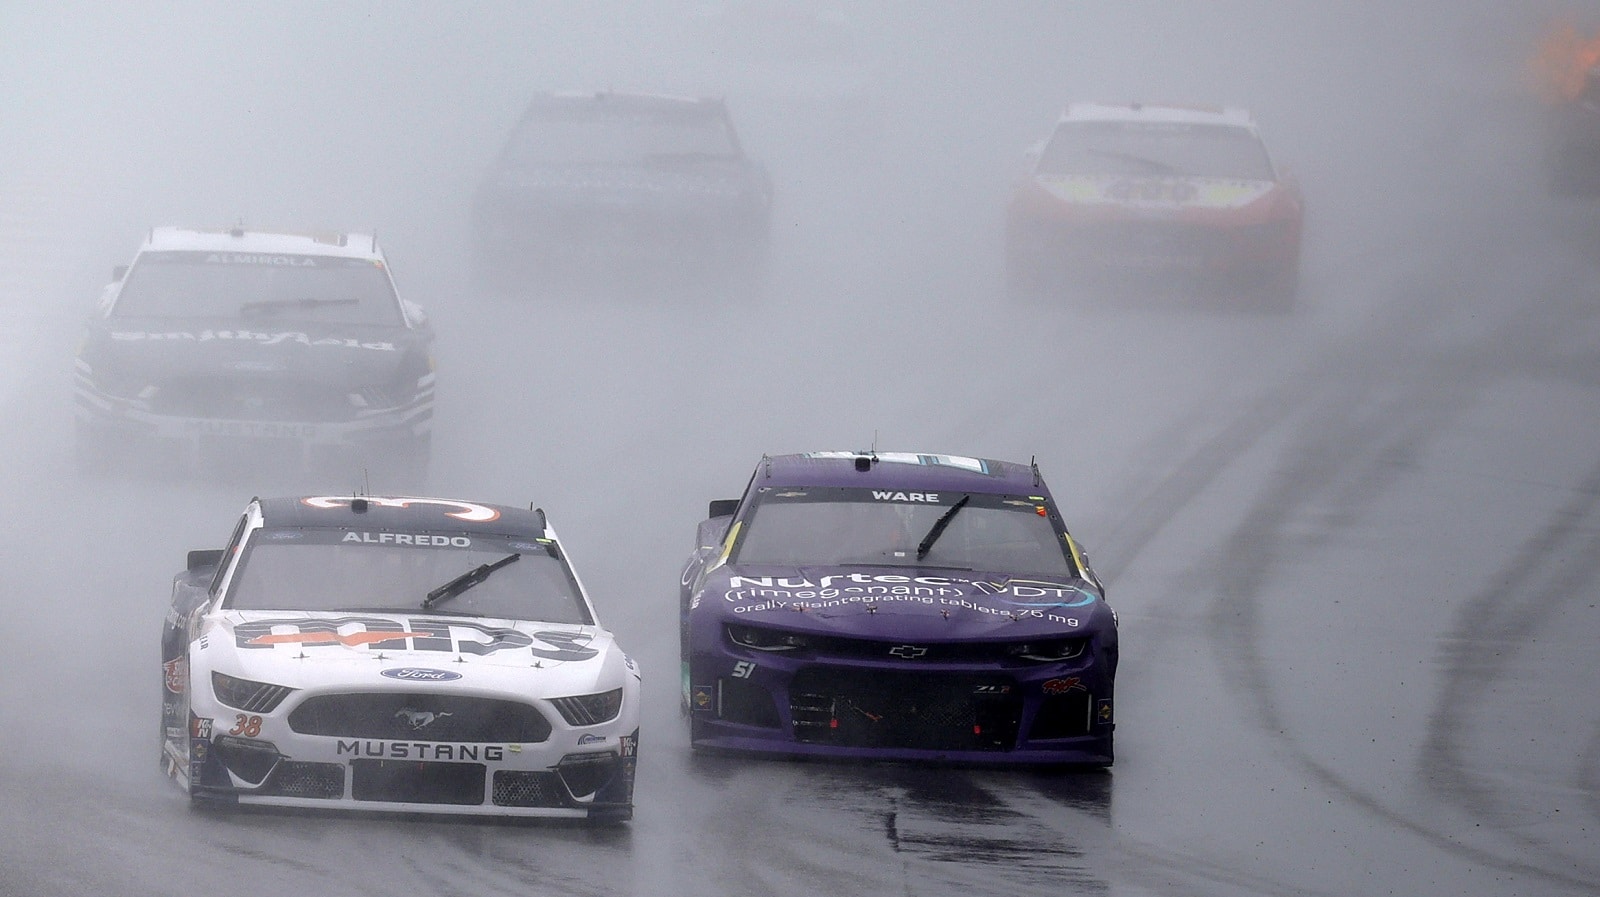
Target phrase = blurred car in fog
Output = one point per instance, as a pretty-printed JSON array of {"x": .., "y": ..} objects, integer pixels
[
  {"x": 230, "y": 348},
  {"x": 1177, "y": 193},
  {"x": 896, "y": 606},
  {"x": 417, "y": 655},
  {"x": 588, "y": 184},
  {"x": 1567, "y": 69}
]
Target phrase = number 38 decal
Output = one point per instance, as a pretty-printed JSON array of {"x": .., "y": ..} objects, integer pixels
[{"x": 247, "y": 725}]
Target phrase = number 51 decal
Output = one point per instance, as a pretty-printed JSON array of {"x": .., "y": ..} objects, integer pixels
[{"x": 742, "y": 669}]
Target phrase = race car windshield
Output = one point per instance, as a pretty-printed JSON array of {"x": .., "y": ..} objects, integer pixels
[
  {"x": 840, "y": 526},
  {"x": 261, "y": 288},
  {"x": 351, "y": 570},
  {"x": 1139, "y": 149},
  {"x": 590, "y": 135}
]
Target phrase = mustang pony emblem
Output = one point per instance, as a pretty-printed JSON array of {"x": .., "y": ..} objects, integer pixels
[{"x": 420, "y": 719}]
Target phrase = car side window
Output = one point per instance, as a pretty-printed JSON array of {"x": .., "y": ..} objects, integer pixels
[{"x": 229, "y": 553}]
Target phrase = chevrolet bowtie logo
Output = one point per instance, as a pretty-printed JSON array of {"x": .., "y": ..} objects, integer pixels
[{"x": 908, "y": 651}]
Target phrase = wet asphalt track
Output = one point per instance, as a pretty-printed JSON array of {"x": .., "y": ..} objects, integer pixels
[{"x": 1354, "y": 549}]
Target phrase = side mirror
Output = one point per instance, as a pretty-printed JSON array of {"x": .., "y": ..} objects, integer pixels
[
  {"x": 723, "y": 507},
  {"x": 201, "y": 558},
  {"x": 119, "y": 272}
]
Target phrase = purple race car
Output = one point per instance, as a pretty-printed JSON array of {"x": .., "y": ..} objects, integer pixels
[{"x": 896, "y": 606}]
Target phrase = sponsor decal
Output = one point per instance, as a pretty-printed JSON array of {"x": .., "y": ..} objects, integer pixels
[
  {"x": 175, "y": 675},
  {"x": 463, "y": 510},
  {"x": 420, "y": 719},
  {"x": 200, "y": 727},
  {"x": 420, "y": 674},
  {"x": 630, "y": 744},
  {"x": 1156, "y": 193},
  {"x": 384, "y": 634},
  {"x": 701, "y": 697},
  {"x": 991, "y": 690},
  {"x": 1102, "y": 713},
  {"x": 590, "y": 738},
  {"x": 263, "y": 337},
  {"x": 251, "y": 258},
  {"x": 419, "y": 540},
  {"x": 1012, "y": 598},
  {"x": 1061, "y": 686},
  {"x": 418, "y": 750},
  {"x": 927, "y": 497}
]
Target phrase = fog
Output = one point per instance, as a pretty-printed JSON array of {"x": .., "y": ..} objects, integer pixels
[{"x": 1352, "y": 547}]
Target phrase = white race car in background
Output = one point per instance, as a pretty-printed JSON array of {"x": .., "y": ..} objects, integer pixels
[{"x": 400, "y": 654}]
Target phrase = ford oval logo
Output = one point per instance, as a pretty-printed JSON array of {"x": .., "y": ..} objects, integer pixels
[{"x": 419, "y": 674}]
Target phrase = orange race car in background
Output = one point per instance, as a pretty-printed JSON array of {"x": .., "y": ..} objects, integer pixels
[
  {"x": 1566, "y": 72},
  {"x": 1139, "y": 192}
]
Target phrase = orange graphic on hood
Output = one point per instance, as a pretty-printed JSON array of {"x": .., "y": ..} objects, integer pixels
[
  {"x": 351, "y": 640},
  {"x": 1560, "y": 67}
]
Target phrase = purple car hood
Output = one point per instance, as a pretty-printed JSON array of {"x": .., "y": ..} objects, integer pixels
[{"x": 903, "y": 602}]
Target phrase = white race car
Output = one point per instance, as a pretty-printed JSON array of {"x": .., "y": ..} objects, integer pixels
[{"x": 400, "y": 654}]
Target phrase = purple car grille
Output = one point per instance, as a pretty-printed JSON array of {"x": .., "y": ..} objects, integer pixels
[
  {"x": 1018, "y": 652},
  {"x": 876, "y": 709}
]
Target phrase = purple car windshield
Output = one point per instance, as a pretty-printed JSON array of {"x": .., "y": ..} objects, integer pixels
[{"x": 842, "y": 526}]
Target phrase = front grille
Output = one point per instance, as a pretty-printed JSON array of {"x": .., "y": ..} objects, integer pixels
[
  {"x": 1063, "y": 716},
  {"x": 761, "y": 638},
  {"x": 251, "y": 398},
  {"x": 516, "y": 788},
  {"x": 296, "y": 778},
  {"x": 408, "y": 781},
  {"x": 883, "y": 709},
  {"x": 419, "y": 717}
]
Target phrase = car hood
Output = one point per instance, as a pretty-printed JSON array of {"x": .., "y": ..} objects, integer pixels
[
  {"x": 903, "y": 602},
  {"x": 379, "y": 651},
  {"x": 158, "y": 347},
  {"x": 1155, "y": 193}
]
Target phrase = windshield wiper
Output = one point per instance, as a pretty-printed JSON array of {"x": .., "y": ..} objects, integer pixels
[
  {"x": 307, "y": 302},
  {"x": 937, "y": 529},
  {"x": 466, "y": 581}
]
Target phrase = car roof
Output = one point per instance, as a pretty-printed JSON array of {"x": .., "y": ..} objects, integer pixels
[
  {"x": 401, "y": 514},
  {"x": 1166, "y": 113},
  {"x": 238, "y": 239},
  {"x": 900, "y": 471}
]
